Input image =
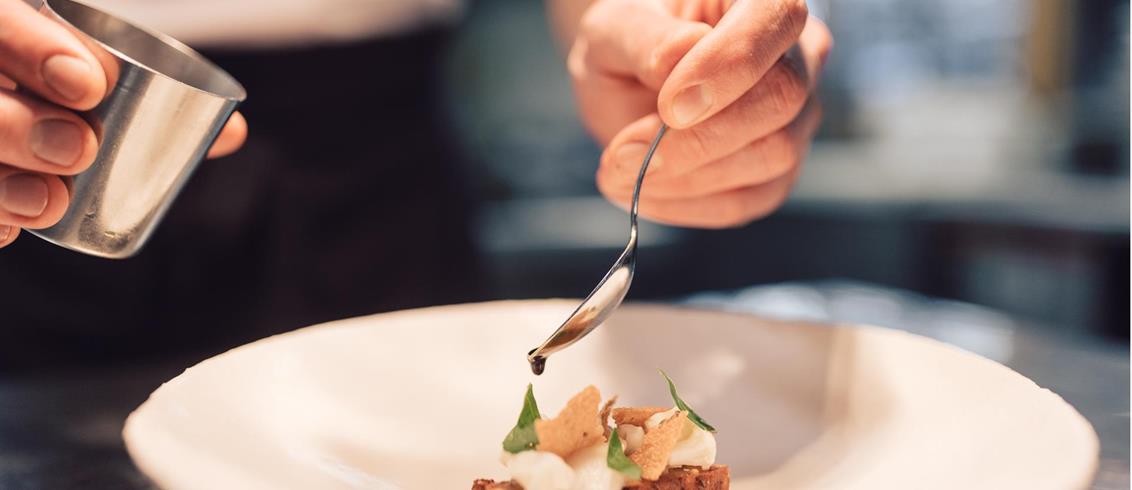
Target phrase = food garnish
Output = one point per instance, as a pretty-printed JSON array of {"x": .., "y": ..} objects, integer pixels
[
  {"x": 524, "y": 436},
  {"x": 617, "y": 460},
  {"x": 701, "y": 423}
]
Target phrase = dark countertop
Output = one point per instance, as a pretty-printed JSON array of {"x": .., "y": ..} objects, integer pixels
[{"x": 61, "y": 430}]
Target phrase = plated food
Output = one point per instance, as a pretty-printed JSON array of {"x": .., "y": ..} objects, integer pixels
[{"x": 645, "y": 448}]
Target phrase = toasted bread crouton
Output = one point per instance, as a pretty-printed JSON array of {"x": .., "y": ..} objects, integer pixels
[
  {"x": 484, "y": 484},
  {"x": 715, "y": 478},
  {"x": 718, "y": 477}
]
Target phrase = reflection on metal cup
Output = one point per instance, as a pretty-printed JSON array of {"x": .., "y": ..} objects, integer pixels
[{"x": 165, "y": 106}]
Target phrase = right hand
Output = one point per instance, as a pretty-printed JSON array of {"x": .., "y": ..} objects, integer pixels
[
  {"x": 46, "y": 74},
  {"x": 733, "y": 79}
]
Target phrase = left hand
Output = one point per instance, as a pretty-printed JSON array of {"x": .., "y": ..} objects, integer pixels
[
  {"x": 47, "y": 77},
  {"x": 732, "y": 78}
]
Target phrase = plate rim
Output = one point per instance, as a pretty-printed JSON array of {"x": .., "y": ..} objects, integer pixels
[{"x": 1087, "y": 474}]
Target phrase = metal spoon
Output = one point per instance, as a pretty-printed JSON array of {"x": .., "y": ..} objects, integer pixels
[{"x": 607, "y": 296}]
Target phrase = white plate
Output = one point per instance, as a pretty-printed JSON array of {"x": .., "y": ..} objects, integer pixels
[{"x": 421, "y": 399}]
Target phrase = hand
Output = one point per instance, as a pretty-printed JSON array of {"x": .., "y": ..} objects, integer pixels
[
  {"x": 46, "y": 74},
  {"x": 732, "y": 78}
]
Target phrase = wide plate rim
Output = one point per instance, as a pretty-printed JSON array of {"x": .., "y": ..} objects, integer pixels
[{"x": 1087, "y": 473}]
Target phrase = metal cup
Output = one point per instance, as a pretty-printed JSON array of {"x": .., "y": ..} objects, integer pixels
[{"x": 165, "y": 107}]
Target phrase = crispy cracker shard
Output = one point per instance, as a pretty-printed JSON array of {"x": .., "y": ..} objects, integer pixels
[
  {"x": 576, "y": 426},
  {"x": 657, "y": 446},
  {"x": 635, "y": 415},
  {"x": 603, "y": 416}
]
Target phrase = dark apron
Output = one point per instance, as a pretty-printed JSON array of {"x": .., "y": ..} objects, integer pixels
[{"x": 346, "y": 200}]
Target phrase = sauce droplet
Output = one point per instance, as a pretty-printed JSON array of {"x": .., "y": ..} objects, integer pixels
[{"x": 538, "y": 364}]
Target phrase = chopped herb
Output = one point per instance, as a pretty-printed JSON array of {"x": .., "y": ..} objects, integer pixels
[
  {"x": 616, "y": 459},
  {"x": 701, "y": 423},
  {"x": 523, "y": 437}
]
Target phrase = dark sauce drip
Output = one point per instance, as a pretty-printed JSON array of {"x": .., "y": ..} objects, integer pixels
[{"x": 538, "y": 364}]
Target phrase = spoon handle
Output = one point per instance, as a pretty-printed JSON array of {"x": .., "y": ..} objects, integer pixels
[{"x": 641, "y": 177}]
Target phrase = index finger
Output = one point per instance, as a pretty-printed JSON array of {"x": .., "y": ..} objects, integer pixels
[
  {"x": 42, "y": 56},
  {"x": 730, "y": 59}
]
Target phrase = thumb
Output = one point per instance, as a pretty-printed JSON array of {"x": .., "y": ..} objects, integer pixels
[{"x": 633, "y": 39}]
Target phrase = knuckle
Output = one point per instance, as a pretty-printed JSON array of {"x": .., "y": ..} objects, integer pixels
[
  {"x": 786, "y": 152},
  {"x": 592, "y": 19},
  {"x": 576, "y": 60},
  {"x": 9, "y": 119},
  {"x": 787, "y": 89},
  {"x": 794, "y": 15},
  {"x": 697, "y": 143},
  {"x": 773, "y": 156},
  {"x": 670, "y": 51},
  {"x": 661, "y": 61}
]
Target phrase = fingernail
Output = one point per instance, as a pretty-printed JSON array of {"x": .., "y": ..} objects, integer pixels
[
  {"x": 24, "y": 194},
  {"x": 67, "y": 75},
  {"x": 5, "y": 233},
  {"x": 58, "y": 141},
  {"x": 690, "y": 104},
  {"x": 631, "y": 155}
]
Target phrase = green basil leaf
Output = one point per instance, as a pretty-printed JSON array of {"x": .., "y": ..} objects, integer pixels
[
  {"x": 701, "y": 423},
  {"x": 523, "y": 437},
  {"x": 616, "y": 459},
  {"x": 520, "y": 439}
]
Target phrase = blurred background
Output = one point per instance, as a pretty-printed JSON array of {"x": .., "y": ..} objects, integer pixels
[
  {"x": 974, "y": 151},
  {"x": 971, "y": 150}
]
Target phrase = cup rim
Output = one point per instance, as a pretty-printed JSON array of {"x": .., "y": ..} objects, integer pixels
[{"x": 181, "y": 47}]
